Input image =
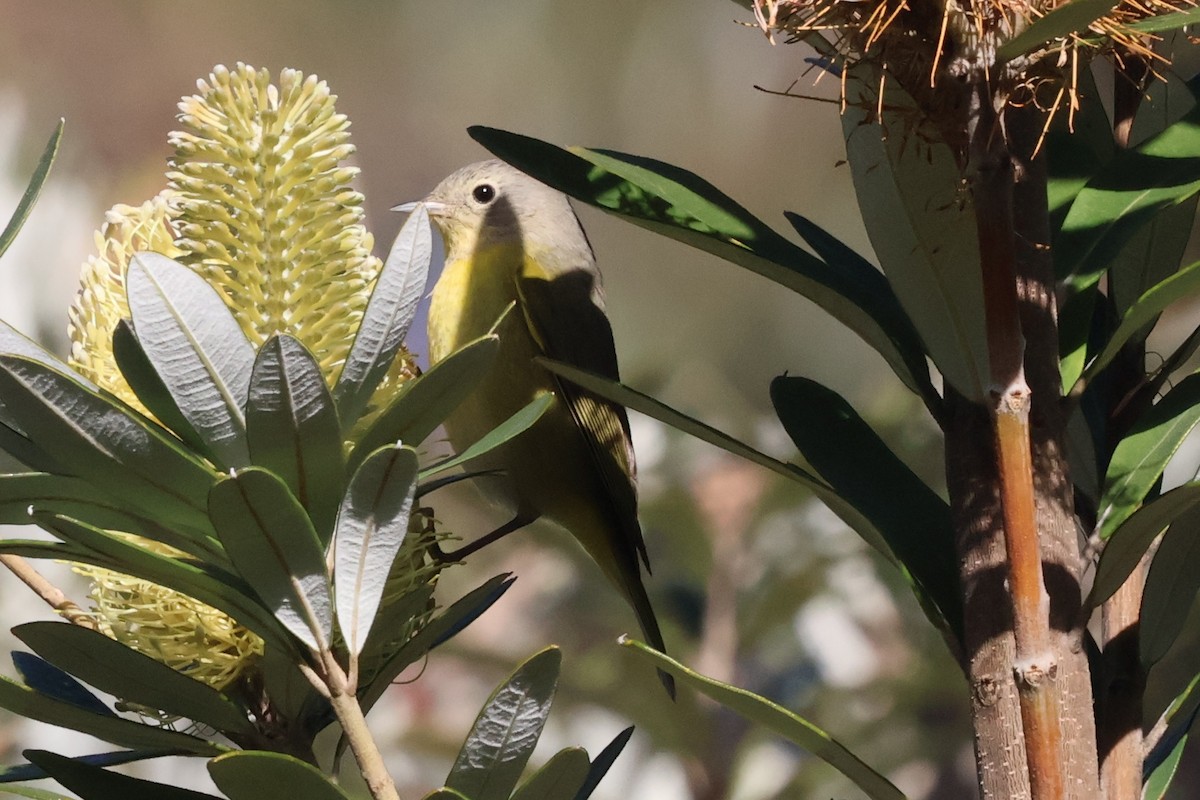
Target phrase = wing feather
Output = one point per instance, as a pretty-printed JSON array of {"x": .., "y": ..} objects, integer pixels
[{"x": 568, "y": 325}]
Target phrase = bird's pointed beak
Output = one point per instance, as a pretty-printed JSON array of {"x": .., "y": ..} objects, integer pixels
[{"x": 432, "y": 206}]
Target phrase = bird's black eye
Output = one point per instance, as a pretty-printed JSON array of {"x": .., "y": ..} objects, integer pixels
[{"x": 484, "y": 193}]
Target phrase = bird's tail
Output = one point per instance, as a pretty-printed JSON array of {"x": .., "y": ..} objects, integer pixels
[{"x": 635, "y": 592}]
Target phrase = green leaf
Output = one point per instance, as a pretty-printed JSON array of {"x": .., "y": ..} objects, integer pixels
[
  {"x": 33, "y": 190},
  {"x": 205, "y": 582},
  {"x": 775, "y": 718},
  {"x": 13, "y": 439},
  {"x": 124, "y": 732},
  {"x": 19, "y": 447},
  {"x": 1176, "y": 722},
  {"x": 71, "y": 497},
  {"x": 424, "y": 402},
  {"x": 93, "y": 783},
  {"x": 146, "y": 383},
  {"x": 1182, "y": 284},
  {"x": 636, "y": 401},
  {"x": 198, "y": 349},
  {"x": 1129, "y": 542},
  {"x": 371, "y": 526},
  {"x": 603, "y": 762},
  {"x": 1072, "y": 17},
  {"x": 1126, "y": 194},
  {"x": 1167, "y": 22},
  {"x": 1140, "y": 458},
  {"x": 864, "y": 472},
  {"x": 676, "y": 203},
  {"x": 445, "y": 794},
  {"x": 273, "y": 546},
  {"x": 32, "y": 793},
  {"x": 1171, "y": 586},
  {"x": 15, "y": 343},
  {"x": 389, "y": 314},
  {"x": 923, "y": 231},
  {"x": 293, "y": 430},
  {"x": 440, "y": 629},
  {"x": 507, "y": 729},
  {"x": 1155, "y": 787},
  {"x": 107, "y": 444},
  {"x": 560, "y": 778},
  {"x": 261, "y": 775},
  {"x": 511, "y": 428},
  {"x": 125, "y": 673},
  {"x": 32, "y": 772}
]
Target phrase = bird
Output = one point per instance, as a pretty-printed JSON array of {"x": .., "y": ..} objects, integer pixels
[{"x": 511, "y": 239}]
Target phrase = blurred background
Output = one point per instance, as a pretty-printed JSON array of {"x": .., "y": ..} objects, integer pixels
[{"x": 755, "y": 583}]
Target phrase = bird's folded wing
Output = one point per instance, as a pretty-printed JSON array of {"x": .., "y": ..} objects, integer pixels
[{"x": 568, "y": 326}]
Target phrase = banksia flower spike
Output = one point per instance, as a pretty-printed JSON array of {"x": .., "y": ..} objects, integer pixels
[{"x": 260, "y": 204}]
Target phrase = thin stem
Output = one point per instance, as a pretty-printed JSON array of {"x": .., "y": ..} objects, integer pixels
[
  {"x": 344, "y": 701},
  {"x": 1035, "y": 664},
  {"x": 54, "y": 597}
]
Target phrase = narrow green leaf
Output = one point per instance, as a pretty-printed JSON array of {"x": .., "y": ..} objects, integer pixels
[
  {"x": 293, "y": 430},
  {"x": 1171, "y": 587},
  {"x": 1167, "y": 22},
  {"x": 32, "y": 772},
  {"x": 13, "y": 438},
  {"x": 19, "y": 446},
  {"x": 560, "y": 778},
  {"x": 139, "y": 373},
  {"x": 106, "y": 443},
  {"x": 644, "y": 404},
  {"x": 1071, "y": 17},
  {"x": 1128, "y": 192},
  {"x": 47, "y": 679},
  {"x": 1155, "y": 787},
  {"x": 261, "y": 775},
  {"x": 389, "y": 314},
  {"x": 125, "y": 673},
  {"x": 445, "y": 794},
  {"x": 15, "y": 343},
  {"x": 273, "y": 546},
  {"x": 93, "y": 783},
  {"x": 205, "y": 582},
  {"x": 1176, "y": 722},
  {"x": 1129, "y": 542},
  {"x": 923, "y": 231},
  {"x": 24, "y": 701},
  {"x": 512, "y": 427},
  {"x": 775, "y": 718},
  {"x": 371, "y": 526},
  {"x": 603, "y": 762},
  {"x": 1140, "y": 458},
  {"x": 1179, "y": 286},
  {"x": 440, "y": 629},
  {"x": 424, "y": 402},
  {"x": 198, "y": 349},
  {"x": 507, "y": 729},
  {"x": 23, "y": 492},
  {"x": 32, "y": 793},
  {"x": 864, "y": 471},
  {"x": 33, "y": 190},
  {"x": 676, "y": 203}
]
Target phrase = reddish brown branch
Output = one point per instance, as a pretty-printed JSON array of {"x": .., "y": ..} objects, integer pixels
[{"x": 1035, "y": 665}]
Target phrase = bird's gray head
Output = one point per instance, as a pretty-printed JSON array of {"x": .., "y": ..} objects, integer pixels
[{"x": 491, "y": 203}]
